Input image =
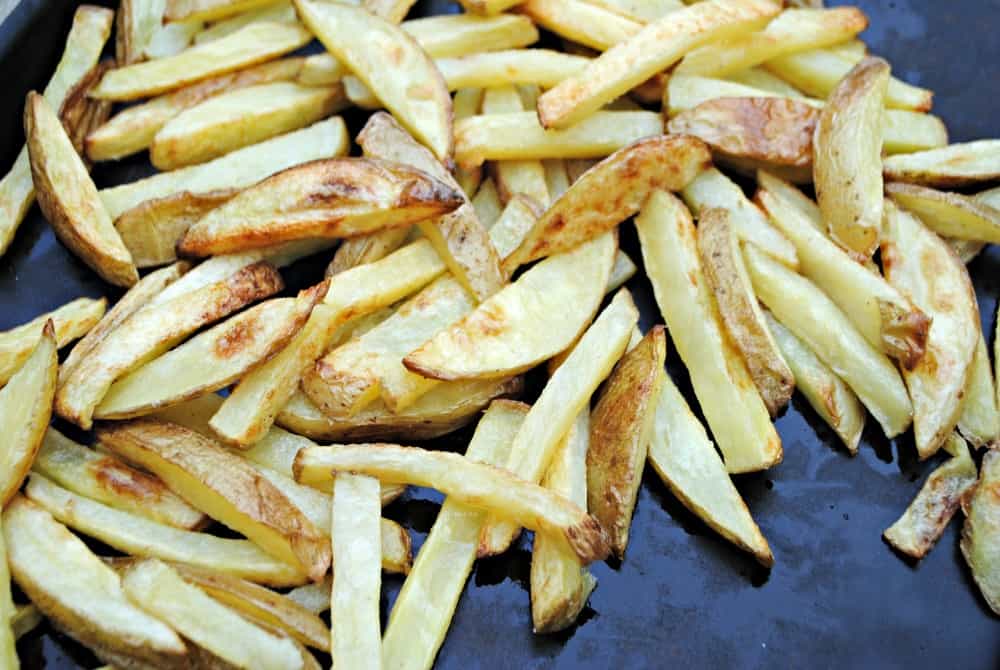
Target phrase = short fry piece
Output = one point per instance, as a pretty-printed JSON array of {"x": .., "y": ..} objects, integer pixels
[
  {"x": 722, "y": 383},
  {"x": 949, "y": 214},
  {"x": 923, "y": 266},
  {"x": 848, "y": 153},
  {"x": 391, "y": 64},
  {"x": 954, "y": 165},
  {"x": 979, "y": 422},
  {"x": 981, "y": 532}
]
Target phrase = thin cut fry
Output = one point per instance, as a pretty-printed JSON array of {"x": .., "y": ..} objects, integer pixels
[{"x": 582, "y": 22}]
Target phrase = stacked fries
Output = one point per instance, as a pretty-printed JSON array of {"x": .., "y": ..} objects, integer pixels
[{"x": 475, "y": 239}]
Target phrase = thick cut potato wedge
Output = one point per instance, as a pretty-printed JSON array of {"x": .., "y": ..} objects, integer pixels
[
  {"x": 441, "y": 411},
  {"x": 847, "y": 150},
  {"x": 238, "y": 118},
  {"x": 139, "y": 536},
  {"x": 517, "y": 177},
  {"x": 566, "y": 394},
  {"x": 338, "y": 197},
  {"x": 69, "y": 322},
  {"x": 424, "y": 607},
  {"x": 242, "y": 499},
  {"x": 979, "y": 422},
  {"x": 560, "y": 586},
  {"x": 356, "y": 639},
  {"x": 712, "y": 189},
  {"x": 69, "y": 199},
  {"x": 212, "y": 360},
  {"x": 234, "y": 171},
  {"x": 106, "y": 479},
  {"x": 8, "y": 632},
  {"x": 582, "y": 22},
  {"x": 741, "y": 313},
  {"x": 90, "y": 30},
  {"x": 650, "y": 51},
  {"x": 525, "y": 323},
  {"x": 281, "y": 11},
  {"x": 260, "y": 604},
  {"x": 922, "y": 524},
  {"x": 484, "y": 486},
  {"x": 832, "y": 399},
  {"x": 685, "y": 459},
  {"x": 955, "y": 165},
  {"x": 391, "y": 64},
  {"x": 208, "y": 10},
  {"x": 620, "y": 431},
  {"x": 806, "y": 311},
  {"x": 981, "y": 532},
  {"x": 887, "y": 318},
  {"x": 922, "y": 265},
  {"x": 460, "y": 241},
  {"x": 252, "y": 406},
  {"x": 153, "y": 330},
  {"x": 226, "y": 636},
  {"x": 791, "y": 31},
  {"x": 612, "y": 191},
  {"x": 520, "y": 66},
  {"x": 80, "y": 594},
  {"x": 25, "y": 410},
  {"x": 519, "y": 136},
  {"x": 949, "y": 214},
  {"x": 253, "y": 44},
  {"x": 725, "y": 390}
]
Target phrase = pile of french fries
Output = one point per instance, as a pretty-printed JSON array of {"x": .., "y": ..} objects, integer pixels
[{"x": 474, "y": 239}]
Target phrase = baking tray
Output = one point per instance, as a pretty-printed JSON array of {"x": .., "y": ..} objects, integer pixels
[{"x": 837, "y": 595}]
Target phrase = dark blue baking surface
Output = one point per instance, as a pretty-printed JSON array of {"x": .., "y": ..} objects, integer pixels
[{"x": 837, "y": 595}]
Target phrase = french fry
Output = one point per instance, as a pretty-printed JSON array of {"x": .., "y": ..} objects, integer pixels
[
  {"x": 981, "y": 529},
  {"x": 239, "y": 118},
  {"x": 827, "y": 393},
  {"x": 153, "y": 330},
  {"x": 135, "y": 25},
  {"x": 234, "y": 171},
  {"x": 565, "y": 395},
  {"x": 556, "y": 177},
  {"x": 406, "y": 82},
  {"x": 487, "y": 203},
  {"x": 253, "y": 44},
  {"x": 686, "y": 92},
  {"x": 516, "y": 177},
  {"x": 90, "y": 30},
  {"x": 392, "y": 11},
  {"x": 172, "y": 38},
  {"x": 625, "y": 179},
  {"x": 281, "y": 12},
  {"x": 847, "y": 157},
  {"x": 887, "y": 318},
  {"x": 484, "y": 486},
  {"x": 69, "y": 198},
  {"x": 759, "y": 78},
  {"x": 922, "y": 524},
  {"x": 582, "y": 22},
  {"x": 466, "y": 103},
  {"x": 643, "y": 11},
  {"x": 461, "y": 34},
  {"x": 791, "y": 31},
  {"x": 514, "y": 224},
  {"x": 355, "y": 641},
  {"x": 70, "y": 321},
  {"x": 818, "y": 72},
  {"x": 208, "y": 10},
  {"x": 806, "y": 311},
  {"x": 458, "y": 238},
  {"x": 519, "y": 136},
  {"x": 225, "y": 635},
  {"x": 979, "y": 422},
  {"x": 554, "y": 300},
  {"x": 520, "y": 66},
  {"x": 424, "y": 607},
  {"x": 742, "y": 316},
  {"x": 313, "y": 597},
  {"x": 726, "y": 392},
  {"x": 212, "y": 360},
  {"x": 151, "y": 229},
  {"x": 952, "y": 166},
  {"x": 922, "y": 265},
  {"x": 949, "y": 214},
  {"x": 8, "y": 635},
  {"x": 242, "y": 499},
  {"x": 139, "y": 536},
  {"x": 685, "y": 459},
  {"x": 620, "y": 431},
  {"x": 25, "y": 410},
  {"x": 362, "y": 249},
  {"x": 106, "y": 479},
  {"x": 653, "y": 49}
]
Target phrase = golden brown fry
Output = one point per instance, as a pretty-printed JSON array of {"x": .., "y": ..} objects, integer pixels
[{"x": 981, "y": 532}]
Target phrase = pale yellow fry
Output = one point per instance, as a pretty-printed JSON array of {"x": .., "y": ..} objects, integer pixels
[
  {"x": 516, "y": 177},
  {"x": 8, "y": 638},
  {"x": 805, "y": 310},
  {"x": 487, "y": 7},
  {"x": 90, "y": 30},
  {"x": 255, "y": 43},
  {"x": 685, "y": 459},
  {"x": 955, "y": 165},
  {"x": 281, "y": 12},
  {"x": 556, "y": 177},
  {"x": 355, "y": 640},
  {"x": 313, "y": 597},
  {"x": 487, "y": 203},
  {"x": 922, "y": 265},
  {"x": 728, "y": 398},
  {"x": 522, "y": 66},
  {"x": 466, "y": 102},
  {"x": 172, "y": 38},
  {"x": 519, "y": 136},
  {"x": 979, "y": 422},
  {"x": 949, "y": 214},
  {"x": 135, "y": 26},
  {"x": 761, "y": 79},
  {"x": 391, "y": 64},
  {"x": 567, "y": 393},
  {"x": 653, "y": 49},
  {"x": 422, "y": 613},
  {"x": 642, "y": 11},
  {"x": 582, "y": 22},
  {"x": 981, "y": 532},
  {"x": 209, "y": 10}
]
